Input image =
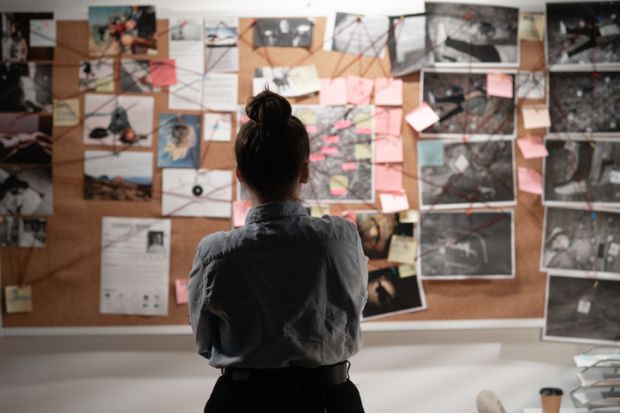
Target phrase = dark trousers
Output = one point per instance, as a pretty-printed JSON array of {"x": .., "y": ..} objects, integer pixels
[{"x": 282, "y": 396}]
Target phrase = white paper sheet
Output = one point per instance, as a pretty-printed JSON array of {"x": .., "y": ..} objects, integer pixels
[
  {"x": 187, "y": 93},
  {"x": 186, "y": 44},
  {"x": 220, "y": 91},
  {"x": 217, "y": 127},
  {"x": 197, "y": 193}
]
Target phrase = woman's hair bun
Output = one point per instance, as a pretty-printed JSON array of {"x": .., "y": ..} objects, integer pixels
[{"x": 269, "y": 110}]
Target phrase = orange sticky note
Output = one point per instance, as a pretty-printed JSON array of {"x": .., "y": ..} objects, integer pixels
[
  {"x": 163, "y": 72},
  {"x": 388, "y": 121},
  {"x": 500, "y": 84},
  {"x": 536, "y": 116},
  {"x": 388, "y": 149},
  {"x": 333, "y": 91},
  {"x": 394, "y": 201},
  {"x": 180, "y": 289},
  {"x": 532, "y": 147},
  {"x": 530, "y": 181},
  {"x": 422, "y": 117},
  {"x": 388, "y": 91},
  {"x": 388, "y": 177},
  {"x": 240, "y": 211},
  {"x": 359, "y": 90}
]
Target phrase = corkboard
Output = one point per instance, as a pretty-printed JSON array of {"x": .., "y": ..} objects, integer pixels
[{"x": 65, "y": 276}]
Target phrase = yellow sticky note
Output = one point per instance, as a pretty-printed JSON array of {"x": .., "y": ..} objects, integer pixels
[
  {"x": 406, "y": 271},
  {"x": 308, "y": 117},
  {"x": 363, "y": 151},
  {"x": 402, "y": 249},
  {"x": 66, "y": 112},
  {"x": 338, "y": 183},
  {"x": 104, "y": 84},
  {"x": 363, "y": 121},
  {"x": 410, "y": 216},
  {"x": 319, "y": 210},
  {"x": 18, "y": 299}
]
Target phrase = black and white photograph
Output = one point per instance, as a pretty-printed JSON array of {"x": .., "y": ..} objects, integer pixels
[
  {"x": 27, "y": 36},
  {"x": 376, "y": 230},
  {"x": 221, "y": 48},
  {"x": 393, "y": 290},
  {"x": 356, "y": 34},
  {"x": 25, "y": 139},
  {"x": 461, "y": 101},
  {"x": 583, "y": 33},
  {"x": 283, "y": 32},
  {"x": 136, "y": 76},
  {"x": 531, "y": 85},
  {"x": 578, "y": 240},
  {"x": 97, "y": 75},
  {"x": 26, "y": 191},
  {"x": 155, "y": 242},
  {"x": 472, "y": 34},
  {"x": 583, "y": 104},
  {"x": 287, "y": 81},
  {"x": 407, "y": 44},
  {"x": 461, "y": 245},
  {"x": 582, "y": 309},
  {"x": 26, "y": 87},
  {"x": 473, "y": 174},
  {"x": 582, "y": 173},
  {"x": 23, "y": 232}
]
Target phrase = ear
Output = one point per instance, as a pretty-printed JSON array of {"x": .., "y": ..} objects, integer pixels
[
  {"x": 238, "y": 175},
  {"x": 305, "y": 173}
]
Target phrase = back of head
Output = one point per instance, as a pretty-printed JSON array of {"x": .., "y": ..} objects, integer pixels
[{"x": 272, "y": 147}]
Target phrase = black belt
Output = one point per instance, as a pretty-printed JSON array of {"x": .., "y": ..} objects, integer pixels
[{"x": 324, "y": 375}]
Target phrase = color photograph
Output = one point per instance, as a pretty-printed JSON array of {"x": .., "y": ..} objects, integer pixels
[
  {"x": 118, "y": 176},
  {"x": 393, "y": 290},
  {"x": 376, "y": 231},
  {"x": 97, "y": 75},
  {"x": 126, "y": 30},
  {"x": 178, "y": 141}
]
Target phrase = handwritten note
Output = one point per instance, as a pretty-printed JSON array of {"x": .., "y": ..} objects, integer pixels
[
  {"x": 499, "y": 84},
  {"x": 180, "y": 289},
  {"x": 66, "y": 112},
  {"x": 18, "y": 299},
  {"x": 359, "y": 90},
  {"x": 536, "y": 116},
  {"x": 430, "y": 153},
  {"x": 402, "y": 249},
  {"x": 388, "y": 121},
  {"x": 530, "y": 181},
  {"x": 163, "y": 72},
  {"x": 240, "y": 211},
  {"x": 388, "y": 91},
  {"x": 388, "y": 177},
  {"x": 388, "y": 149},
  {"x": 333, "y": 91},
  {"x": 422, "y": 117},
  {"x": 394, "y": 201},
  {"x": 532, "y": 147},
  {"x": 362, "y": 151}
]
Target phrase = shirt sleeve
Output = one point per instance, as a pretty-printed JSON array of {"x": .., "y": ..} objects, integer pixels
[
  {"x": 202, "y": 321},
  {"x": 363, "y": 269}
]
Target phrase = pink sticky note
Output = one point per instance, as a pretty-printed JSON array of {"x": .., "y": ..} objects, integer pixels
[
  {"x": 329, "y": 140},
  {"x": 363, "y": 131},
  {"x": 163, "y": 72},
  {"x": 388, "y": 149},
  {"x": 422, "y": 117},
  {"x": 338, "y": 191},
  {"x": 532, "y": 147},
  {"x": 388, "y": 121},
  {"x": 388, "y": 177},
  {"x": 388, "y": 91},
  {"x": 349, "y": 166},
  {"x": 342, "y": 124},
  {"x": 350, "y": 216},
  {"x": 240, "y": 211},
  {"x": 311, "y": 129},
  {"x": 499, "y": 84},
  {"x": 329, "y": 150},
  {"x": 536, "y": 116},
  {"x": 394, "y": 201},
  {"x": 333, "y": 91},
  {"x": 316, "y": 157},
  {"x": 359, "y": 90},
  {"x": 530, "y": 181},
  {"x": 180, "y": 289}
]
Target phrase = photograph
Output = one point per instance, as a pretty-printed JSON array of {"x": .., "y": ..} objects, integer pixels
[
  {"x": 127, "y": 30},
  {"x": 26, "y": 191},
  {"x": 118, "y": 176},
  {"x": 26, "y": 87},
  {"x": 582, "y": 309},
  {"x": 393, "y": 290},
  {"x": 178, "y": 141},
  {"x": 23, "y": 232},
  {"x": 111, "y": 120},
  {"x": 186, "y": 30},
  {"x": 283, "y": 32},
  {"x": 582, "y": 174},
  {"x": 376, "y": 230},
  {"x": 136, "y": 76},
  {"x": 577, "y": 241},
  {"x": 460, "y": 245},
  {"x": 583, "y": 33},
  {"x": 356, "y": 34},
  {"x": 197, "y": 193},
  {"x": 221, "y": 49},
  {"x": 461, "y": 101},
  {"x": 407, "y": 44},
  {"x": 473, "y": 174},
  {"x": 287, "y": 81},
  {"x": 472, "y": 34},
  {"x": 97, "y": 75},
  {"x": 155, "y": 242},
  {"x": 583, "y": 104},
  {"x": 27, "y": 36},
  {"x": 25, "y": 139}
]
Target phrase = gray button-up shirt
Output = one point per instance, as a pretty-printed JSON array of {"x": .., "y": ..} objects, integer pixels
[{"x": 285, "y": 289}]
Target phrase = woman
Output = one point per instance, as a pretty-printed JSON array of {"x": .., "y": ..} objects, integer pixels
[{"x": 277, "y": 303}]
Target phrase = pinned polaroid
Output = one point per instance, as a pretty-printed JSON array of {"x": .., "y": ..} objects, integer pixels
[
  {"x": 178, "y": 141},
  {"x": 221, "y": 48},
  {"x": 377, "y": 230},
  {"x": 30, "y": 85},
  {"x": 25, "y": 139},
  {"x": 137, "y": 76},
  {"x": 356, "y": 34},
  {"x": 217, "y": 127},
  {"x": 26, "y": 191},
  {"x": 18, "y": 299},
  {"x": 118, "y": 176},
  {"x": 127, "y": 30},
  {"x": 393, "y": 290},
  {"x": 283, "y": 32},
  {"x": 66, "y": 112},
  {"x": 97, "y": 75},
  {"x": 197, "y": 193},
  {"x": 407, "y": 44},
  {"x": 23, "y": 232}
]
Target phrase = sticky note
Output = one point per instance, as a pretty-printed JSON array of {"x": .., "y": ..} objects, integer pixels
[
  {"x": 42, "y": 33},
  {"x": 217, "y": 127},
  {"x": 342, "y": 124},
  {"x": 499, "y": 84},
  {"x": 359, "y": 90},
  {"x": 388, "y": 177},
  {"x": 308, "y": 117},
  {"x": 349, "y": 166},
  {"x": 532, "y": 147},
  {"x": 333, "y": 91},
  {"x": 316, "y": 157},
  {"x": 363, "y": 151},
  {"x": 66, "y": 112},
  {"x": 614, "y": 177},
  {"x": 393, "y": 201},
  {"x": 422, "y": 117},
  {"x": 240, "y": 211},
  {"x": 461, "y": 163},
  {"x": 318, "y": 211},
  {"x": 163, "y": 72},
  {"x": 388, "y": 149},
  {"x": 331, "y": 140},
  {"x": 180, "y": 289},
  {"x": 18, "y": 299},
  {"x": 388, "y": 121},
  {"x": 388, "y": 91},
  {"x": 312, "y": 129},
  {"x": 430, "y": 153},
  {"x": 363, "y": 121},
  {"x": 329, "y": 150},
  {"x": 406, "y": 271},
  {"x": 402, "y": 249},
  {"x": 614, "y": 249},
  {"x": 350, "y": 216},
  {"x": 530, "y": 181},
  {"x": 409, "y": 217},
  {"x": 536, "y": 116},
  {"x": 339, "y": 184},
  {"x": 584, "y": 306}
]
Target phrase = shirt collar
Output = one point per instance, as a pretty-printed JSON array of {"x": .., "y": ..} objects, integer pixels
[{"x": 275, "y": 210}]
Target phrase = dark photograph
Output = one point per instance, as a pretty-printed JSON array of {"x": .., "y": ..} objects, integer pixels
[
  {"x": 582, "y": 309},
  {"x": 25, "y": 138},
  {"x": 460, "y": 100},
  {"x": 26, "y": 191},
  {"x": 393, "y": 290},
  {"x": 26, "y": 87},
  {"x": 457, "y": 245},
  {"x": 467, "y": 34},
  {"x": 471, "y": 174},
  {"x": 376, "y": 231},
  {"x": 582, "y": 173},
  {"x": 581, "y": 33},
  {"x": 23, "y": 232},
  {"x": 283, "y": 32},
  {"x": 577, "y": 241},
  {"x": 27, "y": 36},
  {"x": 407, "y": 44}
]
